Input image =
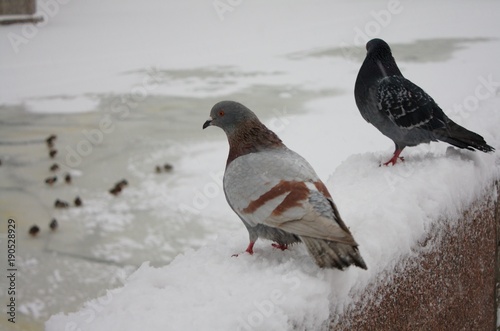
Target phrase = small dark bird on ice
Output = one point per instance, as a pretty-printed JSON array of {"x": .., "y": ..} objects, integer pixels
[
  {"x": 122, "y": 183},
  {"x": 403, "y": 111},
  {"x": 78, "y": 202},
  {"x": 53, "y": 224},
  {"x": 50, "y": 140},
  {"x": 276, "y": 192},
  {"x": 115, "y": 190},
  {"x": 51, "y": 180},
  {"x": 67, "y": 178},
  {"x": 33, "y": 231},
  {"x": 52, "y": 153},
  {"x": 167, "y": 167},
  {"x": 61, "y": 204},
  {"x": 54, "y": 167},
  {"x": 119, "y": 186}
]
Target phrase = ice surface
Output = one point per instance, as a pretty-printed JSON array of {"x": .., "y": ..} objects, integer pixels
[
  {"x": 155, "y": 70},
  {"x": 62, "y": 105}
]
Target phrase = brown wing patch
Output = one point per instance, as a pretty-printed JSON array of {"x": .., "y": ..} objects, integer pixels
[
  {"x": 297, "y": 192},
  {"x": 322, "y": 188}
]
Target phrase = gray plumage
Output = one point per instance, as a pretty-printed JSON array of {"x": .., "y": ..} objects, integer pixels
[
  {"x": 276, "y": 192},
  {"x": 401, "y": 110}
]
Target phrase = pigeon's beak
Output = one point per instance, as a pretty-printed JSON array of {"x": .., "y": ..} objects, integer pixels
[{"x": 207, "y": 123}]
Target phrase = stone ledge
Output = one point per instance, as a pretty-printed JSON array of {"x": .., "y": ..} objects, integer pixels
[
  {"x": 17, "y": 7},
  {"x": 449, "y": 283},
  {"x": 19, "y": 19}
]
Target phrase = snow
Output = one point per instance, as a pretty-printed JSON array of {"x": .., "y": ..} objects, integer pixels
[
  {"x": 387, "y": 208},
  {"x": 208, "y": 289},
  {"x": 87, "y": 51}
]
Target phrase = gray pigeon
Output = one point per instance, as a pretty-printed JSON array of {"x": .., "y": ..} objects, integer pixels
[
  {"x": 276, "y": 192},
  {"x": 401, "y": 110}
]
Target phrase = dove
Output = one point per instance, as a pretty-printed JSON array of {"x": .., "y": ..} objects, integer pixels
[
  {"x": 403, "y": 111},
  {"x": 276, "y": 192}
]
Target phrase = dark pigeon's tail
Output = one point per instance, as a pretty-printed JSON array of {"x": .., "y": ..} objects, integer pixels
[
  {"x": 330, "y": 254},
  {"x": 460, "y": 137}
]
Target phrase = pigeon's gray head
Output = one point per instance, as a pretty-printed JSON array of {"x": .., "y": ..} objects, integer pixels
[
  {"x": 228, "y": 115},
  {"x": 378, "y": 46}
]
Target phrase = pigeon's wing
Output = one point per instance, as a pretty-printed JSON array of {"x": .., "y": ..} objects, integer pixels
[
  {"x": 406, "y": 104},
  {"x": 281, "y": 190},
  {"x": 315, "y": 216}
]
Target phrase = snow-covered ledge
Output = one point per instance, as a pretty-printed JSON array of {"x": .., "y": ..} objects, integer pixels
[
  {"x": 448, "y": 284},
  {"x": 425, "y": 229}
]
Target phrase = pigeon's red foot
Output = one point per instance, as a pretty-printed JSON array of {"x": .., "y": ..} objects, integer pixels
[
  {"x": 393, "y": 161},
  {"x": 395, "y": 158},
  {"x": 249, "y": 249},
  {"x": 280, "y": 246}
]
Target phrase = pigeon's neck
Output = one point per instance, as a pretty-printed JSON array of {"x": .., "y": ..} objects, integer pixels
[
  {"x": 384, "y": 65},
  {"x": 251, "y": 137}
]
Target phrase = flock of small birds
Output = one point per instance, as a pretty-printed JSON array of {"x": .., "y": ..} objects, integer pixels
[
  {"x": 78, "y": 202},
  {"x": 50, "y": 181},
  {"x": 167, "y": 167}
]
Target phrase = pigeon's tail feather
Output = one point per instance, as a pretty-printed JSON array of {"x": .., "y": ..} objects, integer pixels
[
  {"x": 460, "y": 137},
  {"x": 330, "y": 254}
]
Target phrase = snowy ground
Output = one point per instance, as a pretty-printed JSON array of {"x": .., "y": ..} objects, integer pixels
[{"x": 127, "y": 87}]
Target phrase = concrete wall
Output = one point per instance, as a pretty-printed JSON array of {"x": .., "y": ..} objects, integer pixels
[
  {"x": 450, "y": 283},
  {"x": 17, "y": 7}
]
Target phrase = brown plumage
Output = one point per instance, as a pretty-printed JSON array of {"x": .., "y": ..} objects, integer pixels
[
  {"x": 122, "y": 183},
  {"x": 33, "y": 231},
  {"x": 78, "y": 201},
  {"x": 61, "y": 204},
  {"x": 51, "y": 180},
  {"x": 50, "y": 140},
  {"x": 115, "y": 190}
]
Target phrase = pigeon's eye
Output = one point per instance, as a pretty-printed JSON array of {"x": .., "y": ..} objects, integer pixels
[{"x": 221, "y": 113}]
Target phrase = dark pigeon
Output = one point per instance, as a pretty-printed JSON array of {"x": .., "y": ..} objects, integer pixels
[
  {"x": 403, "y": 111},
  {"x": 276, "y": 192}
]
